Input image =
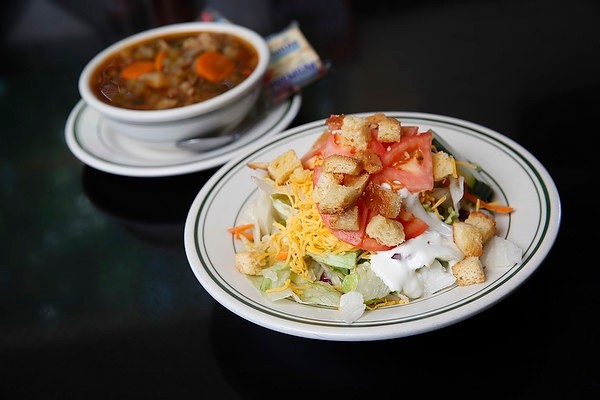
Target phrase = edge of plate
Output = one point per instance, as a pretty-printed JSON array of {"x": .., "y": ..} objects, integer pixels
[{"x": 195, "y": 166}]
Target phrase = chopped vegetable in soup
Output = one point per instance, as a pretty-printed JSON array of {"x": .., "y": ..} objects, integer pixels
[{"x": 174, "y": 71}]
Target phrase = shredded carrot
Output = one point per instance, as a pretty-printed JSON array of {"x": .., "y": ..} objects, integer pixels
[
  {"x": 247, "y": 235},
  {"x": 213, "y": 66},
  {"x": 137, "y": 69},
  {"x": 239, "y": 230},
  {"x": 282, "y": 256},
  {"x": 158, "y": 60},
  {"x": 494, "y": 206}
]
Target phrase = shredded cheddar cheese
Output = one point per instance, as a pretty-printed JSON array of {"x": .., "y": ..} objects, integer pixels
[
  {"x": 281, "y": 288},
  {"x": 304, "y": 230},
  {"x": 388, "y": 303}
]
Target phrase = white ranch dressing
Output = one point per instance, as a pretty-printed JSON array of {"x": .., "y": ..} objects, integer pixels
[{"x": 398, "y": 267}]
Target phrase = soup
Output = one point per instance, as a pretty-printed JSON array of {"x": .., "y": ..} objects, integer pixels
[{"x": 174, "y": 71}]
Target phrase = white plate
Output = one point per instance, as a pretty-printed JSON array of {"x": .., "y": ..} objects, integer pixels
[
  {"x": 517, "y": 177},
  {"x": 97, "y": 145}
]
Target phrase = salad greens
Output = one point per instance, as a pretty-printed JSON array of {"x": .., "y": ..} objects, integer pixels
[{"x": 292, "y": 252}]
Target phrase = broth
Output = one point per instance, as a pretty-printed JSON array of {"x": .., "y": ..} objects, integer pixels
[{"x": 174, "y": 71}]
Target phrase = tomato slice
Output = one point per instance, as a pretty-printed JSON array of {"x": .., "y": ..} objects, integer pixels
[
  {"x": 377, "y": 147},
  {"x": 413, "y": 226},
  {"x": 408, "y": 163},
  {"x": 335, "y": 121},
  {"x": 317, "y": 148},
  {"x": 409, "y": 130}
]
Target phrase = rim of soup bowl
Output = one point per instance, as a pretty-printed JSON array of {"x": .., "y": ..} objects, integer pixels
[{"x": 183, "y": 112}]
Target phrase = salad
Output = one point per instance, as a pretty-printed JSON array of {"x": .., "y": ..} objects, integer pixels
[{"x": 374, "y": 214}]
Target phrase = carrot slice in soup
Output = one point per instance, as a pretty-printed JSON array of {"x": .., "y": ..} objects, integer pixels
[
  {"x": 137, "y": 69},
  {"x": 213, "y": 66},
  {"x": 158, "y": 60}
]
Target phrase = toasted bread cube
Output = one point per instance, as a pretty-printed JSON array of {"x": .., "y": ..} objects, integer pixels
[
  {"x": 358, "y": 182},
  {"x": 388, "y": 130},
  {"x": 468, "y": 238},
  {"x": 382, "y": 200},
  {"x": 346, "y": 221},
  {"x": 468, "y": 271},
  {"x": 311, "y": 162},
  {"x": 340, "y": 197},
  {"x": 485, "y": 223},
  {"x": 355, "y": 132},
  {"x": 374, "y": 119},
  {"x": 444, "y": 166},
  {"x": 249, "y": 262},
  {"x": 385, "y": 231},
  {"x": 282, "y": 166},
  {"x": 324, "y": 183},
  {"x": 370, "y": 161},
  {"x": 340, "y": 164}
]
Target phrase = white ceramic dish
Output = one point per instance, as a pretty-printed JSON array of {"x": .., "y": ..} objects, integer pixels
[
  {"x": 516, "y": 176},
  {"x": 169, "y": 125},
  {"x": 96, "y": 144}
]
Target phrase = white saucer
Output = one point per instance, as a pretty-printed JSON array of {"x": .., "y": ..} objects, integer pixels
[{"x": 97, "y": 145}]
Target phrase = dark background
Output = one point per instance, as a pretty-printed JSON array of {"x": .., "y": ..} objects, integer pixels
[{"x": 97, "y": 299}]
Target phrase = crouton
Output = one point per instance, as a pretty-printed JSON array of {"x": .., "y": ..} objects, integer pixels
[
  {"x": 485, "y": 223},
  {"x": 359, "y": 182},
  {"x": 468, "y": 238},
  {"x": 346, "y": 221},
  {"x": 385, "y": 231},
  {"x": 258, "y": 165},
  {"x": 282, "y": 167},
  {"x": 388, "y": 128},
  {"x": 249, "y": 262},
  {"x": 444, "y": 166},
  {"x": 338, "y": 197},
  {"x": 355, "y": 132},
  {"x": 370, "y": 161},
  {"x": 326, "y": 180},
  {"x": 374, "y": 119},
  {"x": 383, "y": 201},
  {"x": 468, "y": 271},
  {"x": 337, "y": 163}
]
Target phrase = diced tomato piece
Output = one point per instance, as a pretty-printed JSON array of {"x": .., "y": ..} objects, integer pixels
[
  {"x": 408, "y": 163},
  {"x": 409, "y": 130},
  {"x": 377, "y": 147},
  {"x": 371, "y": 244},
  {"x": 413, "y": 226},
  {"x": 317, "y": 148},
  {"x": 335, "y": 121}
]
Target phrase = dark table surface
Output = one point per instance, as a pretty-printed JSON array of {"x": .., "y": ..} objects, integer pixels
[{"x": 97, "y": 299}]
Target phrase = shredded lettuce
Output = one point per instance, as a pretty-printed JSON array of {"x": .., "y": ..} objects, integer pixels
[
  {"x": 352, "y": 306},
  {"x": 364, "y": 281},
  {"x": 346, "y": 260}
]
